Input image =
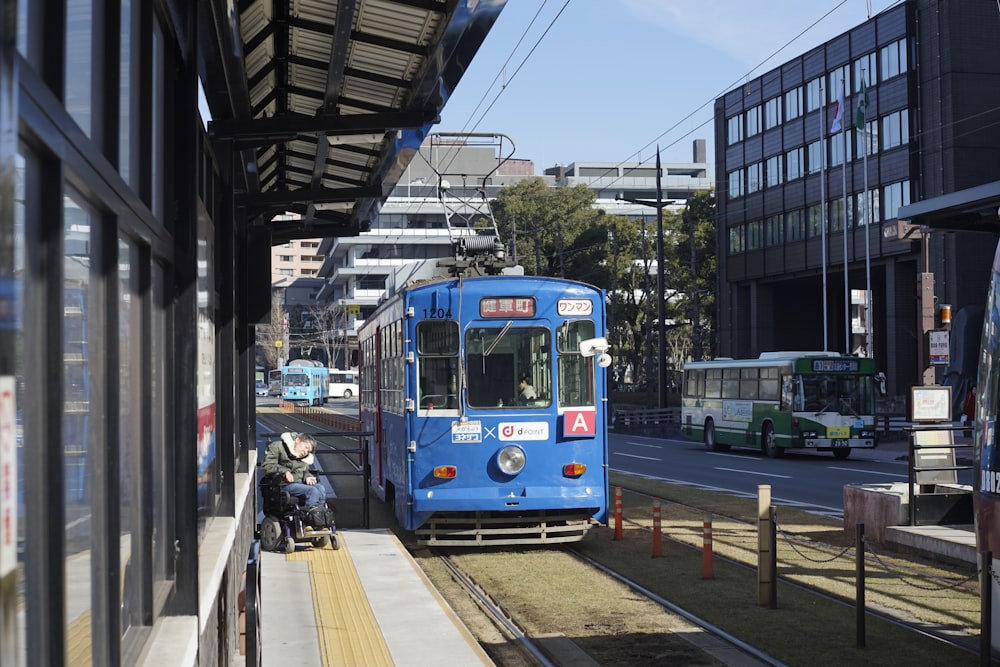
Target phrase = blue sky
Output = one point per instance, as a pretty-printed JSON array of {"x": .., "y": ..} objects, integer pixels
[{"x": 612, "y": 78}]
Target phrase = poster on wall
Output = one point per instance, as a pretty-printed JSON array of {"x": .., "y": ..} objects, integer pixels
[{"x": 8, "y": 476}]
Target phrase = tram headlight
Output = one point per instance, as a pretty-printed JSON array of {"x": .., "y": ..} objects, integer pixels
[{"x": 510, "y": 459}]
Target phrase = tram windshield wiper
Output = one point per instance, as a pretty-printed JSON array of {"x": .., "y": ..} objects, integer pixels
[{"x": 499, "y": 336}]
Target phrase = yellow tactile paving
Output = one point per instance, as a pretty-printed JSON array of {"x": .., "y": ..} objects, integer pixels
[
  {"x": 78, "y": 641},
  {"x": 348, "y": 631}
]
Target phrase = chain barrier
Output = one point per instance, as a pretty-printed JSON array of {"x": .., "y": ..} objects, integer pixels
[
  {"x": 791, "y": 543},
  {"x": 899, "y": 575}
]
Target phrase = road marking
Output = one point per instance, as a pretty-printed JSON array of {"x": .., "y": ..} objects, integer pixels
[
  {"x": 808, "y": 507},
  {"x": 633, "y": 456},
  {"x": 870, "y": 472},
  {"x": 642, "y": 444},
  {"x": 754, "y": 472},
  {"x": 742, "y": 457}
]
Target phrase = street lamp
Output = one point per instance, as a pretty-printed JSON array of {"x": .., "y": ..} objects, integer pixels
[{"x": 661, "y": 330}]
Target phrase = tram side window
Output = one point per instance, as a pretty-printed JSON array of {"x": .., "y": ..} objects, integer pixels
[
  {"x": 576, "y": 372},
  {"x": 437, "y": 369}
]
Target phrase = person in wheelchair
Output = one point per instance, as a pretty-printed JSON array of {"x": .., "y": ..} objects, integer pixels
[{"x": 288, "y": 460}]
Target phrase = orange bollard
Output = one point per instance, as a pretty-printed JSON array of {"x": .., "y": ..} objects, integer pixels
[
  {"x": 618, "y": 513},
  {"x": 657, "y": 535},
  {"x": 706, "y": 551}
]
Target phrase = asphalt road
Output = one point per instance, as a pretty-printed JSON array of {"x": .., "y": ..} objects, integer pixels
[{"x": 811, "y": 480}]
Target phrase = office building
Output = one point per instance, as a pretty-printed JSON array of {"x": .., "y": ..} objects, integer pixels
[{"x": 792, "y": 208}]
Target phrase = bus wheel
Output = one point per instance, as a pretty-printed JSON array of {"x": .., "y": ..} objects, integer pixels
[
  {"x": 710, "y": 443},
  {"x": 347, "y": 393},
  {"x": 767, "y": 442},
  {"x": 841, "y": 453}
]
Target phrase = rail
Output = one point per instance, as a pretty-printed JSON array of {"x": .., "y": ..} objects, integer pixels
[
  {"x": 625, "y": 418},
  {"x": 363, "y": 469},
  {"x": 924, "y": 478}
]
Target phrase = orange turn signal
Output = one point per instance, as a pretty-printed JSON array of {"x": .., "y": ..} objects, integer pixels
[
  {"x": 445, "y": 472},
  {"x": 574, "y": 469}
]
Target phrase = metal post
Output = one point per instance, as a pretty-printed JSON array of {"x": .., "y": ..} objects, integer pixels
[
  {"x": 986, "y": 608},
  {"x": 706, "y": 548},
  {"x": 859, "y": 583},
  {"x": 618, "y": 513},
  {"x": 661, "y": 331},
  {"x": 765, "y": 572},
  {"x": 657, "y": 535}
]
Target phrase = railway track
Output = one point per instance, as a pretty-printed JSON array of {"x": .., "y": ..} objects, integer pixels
[{"x": 558, "y": 650}]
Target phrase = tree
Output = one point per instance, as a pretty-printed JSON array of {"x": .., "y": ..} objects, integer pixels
[
  {"x": 330, "y": 329},
  {"x": 269, "y": 334},
  {"x": 543, "y": 224},
  {"x": 690, "y": 261}
]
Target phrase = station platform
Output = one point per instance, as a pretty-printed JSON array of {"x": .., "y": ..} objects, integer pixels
[{"x": 367, "y": 603}]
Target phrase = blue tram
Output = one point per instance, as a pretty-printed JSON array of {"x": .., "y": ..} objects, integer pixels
[
  {"x": 486, "y": 397},
  {"x": 305, "y": 381}
]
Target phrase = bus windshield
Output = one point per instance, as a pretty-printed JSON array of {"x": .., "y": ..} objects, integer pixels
[{"x": 846, "y": 394}]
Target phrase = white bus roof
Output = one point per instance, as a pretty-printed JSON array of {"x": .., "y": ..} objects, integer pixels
[{"x": 765, "y": 359}]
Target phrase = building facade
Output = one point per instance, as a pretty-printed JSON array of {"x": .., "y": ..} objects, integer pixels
[
  {"x": 799, "y": 242},
  {"x": 412, "y": 226}
]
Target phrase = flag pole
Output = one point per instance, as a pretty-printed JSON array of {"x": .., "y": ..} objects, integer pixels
[
  {"x": 822, "y": 205},
  {"x": 847, "y": 292},
  {"x": 861, "y": 120}
]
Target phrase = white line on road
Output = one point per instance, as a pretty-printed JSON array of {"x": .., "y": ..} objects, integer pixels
[
  {"x": 643, "y": 444},
  {"x": 754, "y": 472},
  {"x": 633, "y": 456}
]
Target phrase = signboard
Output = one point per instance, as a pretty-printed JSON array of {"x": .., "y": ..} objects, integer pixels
[
  {"x": 930, "y": 403},
  {"x": 939, "y": 347},
  {"x": 507, "y": 307},
  {"x": 579, "y": 422},
  {"x": 8, "y": 477}
]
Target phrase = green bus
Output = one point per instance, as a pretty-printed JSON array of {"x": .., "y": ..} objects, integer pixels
[{"x": 819, "y": 401}]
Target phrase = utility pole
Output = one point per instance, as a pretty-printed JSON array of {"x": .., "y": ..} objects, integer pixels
[{"x": 661, "y": 326}]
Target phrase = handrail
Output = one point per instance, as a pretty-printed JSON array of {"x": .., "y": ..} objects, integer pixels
[{"x": 913, "y": 469}]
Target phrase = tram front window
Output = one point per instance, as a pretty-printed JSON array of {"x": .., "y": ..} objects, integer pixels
[
  {"x": 497, "y": 358},
  {"x": 295, "y": 380}
]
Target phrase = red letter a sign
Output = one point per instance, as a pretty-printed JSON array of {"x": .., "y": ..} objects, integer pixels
[{"x": 580, "y": 422}]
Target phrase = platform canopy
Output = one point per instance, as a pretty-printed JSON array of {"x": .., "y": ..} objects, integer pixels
[
  {"x": 322, "y": 103},
  {"x": 973, "y": 210}
]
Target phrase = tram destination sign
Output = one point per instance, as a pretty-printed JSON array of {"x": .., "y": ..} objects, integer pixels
[{"x": 507, "y": 306}]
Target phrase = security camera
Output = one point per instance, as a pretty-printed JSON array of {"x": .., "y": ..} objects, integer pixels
[{"x": 604, "y": 360}]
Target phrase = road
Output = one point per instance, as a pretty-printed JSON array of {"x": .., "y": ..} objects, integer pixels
[{"x": 812, "y": 481}]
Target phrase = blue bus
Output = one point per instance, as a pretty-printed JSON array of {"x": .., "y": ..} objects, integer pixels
[
  {"x": 305, "y": 381},
  {"x": 486, "y": 397}
]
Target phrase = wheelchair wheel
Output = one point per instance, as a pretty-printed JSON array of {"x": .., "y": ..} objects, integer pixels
[
  {"x": 320, "y": 542},
  {"x": 289, "y": 545},
  {"x": 335, "y": 541},
  {"x": 270, "y": 534}
]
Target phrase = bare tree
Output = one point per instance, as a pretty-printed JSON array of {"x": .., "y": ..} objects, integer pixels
[
  {"x": 331, "y": 333},
  {"x": 270, "y": 334}
]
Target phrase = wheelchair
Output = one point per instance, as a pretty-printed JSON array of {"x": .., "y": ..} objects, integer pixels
[{"x": 286, "y": 522}]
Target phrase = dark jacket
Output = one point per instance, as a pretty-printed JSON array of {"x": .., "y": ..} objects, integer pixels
[{"x": 279, "y": 459}]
